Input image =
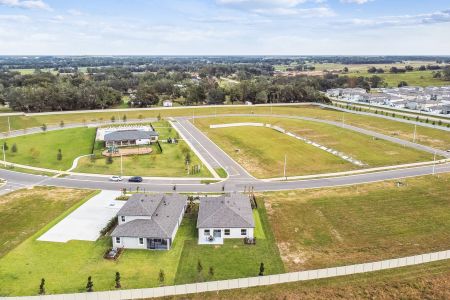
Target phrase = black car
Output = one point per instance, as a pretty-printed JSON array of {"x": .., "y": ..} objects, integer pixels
[{"x": 135, "y": 179}]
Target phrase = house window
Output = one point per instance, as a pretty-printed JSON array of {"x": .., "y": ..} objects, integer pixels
[
  {"x": 123, "y": 218},
  {"x": 227, "y": 231},
  {"x": 207, "y": 232},
  {"x": 117, "y": 240},
  {"x": 243, "y": 231},
  {"x": 141, "y": 241}
]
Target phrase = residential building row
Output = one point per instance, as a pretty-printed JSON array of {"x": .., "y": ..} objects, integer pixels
[
  {"x": 151, "y": 221},
  {"x": 434, "y": 100}
]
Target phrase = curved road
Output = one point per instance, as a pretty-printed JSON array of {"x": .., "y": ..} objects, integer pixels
[{"x": 239, "y": 179}]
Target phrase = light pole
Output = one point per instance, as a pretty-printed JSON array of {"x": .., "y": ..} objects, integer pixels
[
  {"x": 4, "y": 155},
  {"x": 9, "y": 126},
  {"x": 434, "y": 163},
  {"x": 284, "y": 170}
]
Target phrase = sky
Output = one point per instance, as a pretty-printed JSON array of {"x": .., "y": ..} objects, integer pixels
[{"x": 225, "y": 27}]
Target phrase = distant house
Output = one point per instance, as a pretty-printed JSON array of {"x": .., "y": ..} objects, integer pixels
[
  {"x": 122, "y": 138},
  {"x": 149, "y": 221},
  {"x": 167, "y": 103},
  {"x": 248, "y": 103},
  {"x": 227, "y": 216}
]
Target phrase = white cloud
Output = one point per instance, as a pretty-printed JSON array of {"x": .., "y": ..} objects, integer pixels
[
  {"x": 29, "y": 4},
  {"x": 299, "y": 12},
  {"x": 356, "y": 1},
  {"x": 18, "y": 18}
]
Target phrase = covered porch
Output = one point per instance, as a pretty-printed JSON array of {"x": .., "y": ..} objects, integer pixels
[
  {"x": 211, "y": 238},
  {"x": 158, "y": 244}
]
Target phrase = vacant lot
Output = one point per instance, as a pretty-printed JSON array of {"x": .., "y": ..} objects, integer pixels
[
  {"x": 428, "y": 281},
  {"x": 41, "y": 149},
  {"x": 346, "y": 225},
  {"x": 25, "y": 211},
  {"x": 263, "y": 149}
]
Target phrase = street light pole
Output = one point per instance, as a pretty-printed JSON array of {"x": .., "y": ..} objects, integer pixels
[
  {"x": 9, "y": 126},
  {"x": 434, "y": 163},
  {"x": 4, "y": 155}
]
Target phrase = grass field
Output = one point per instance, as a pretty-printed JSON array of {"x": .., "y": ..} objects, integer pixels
[
  {"x": 41, "y": 149},
  {"x": 346, "y": 225},
  {"x": 414, "y": 78},
  {"x": 428, "y": 281},
  {"x": 66, "y": 266},
  {"x": 426, "y": 136},
  {"x": 262, "y": 148},
  {"x": 170, "y": 163},
  {"x": 25, "y": 211}
]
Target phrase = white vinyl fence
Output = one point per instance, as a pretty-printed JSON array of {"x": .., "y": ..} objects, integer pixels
[{"x": 213, "y": 286}]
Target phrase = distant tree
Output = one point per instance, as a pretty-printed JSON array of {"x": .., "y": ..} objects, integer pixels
[
  {"x": 109, "y": 159},
  {"x": 90, "y": 285},
  {"x": 14, "y": 148},
  {"x": 59, "y": 155},
  {"x": 124, "y": 118},
  {"x": 161, "y": 277},
  {"x": 145, "y": 96},
  {"x": 345, "y": 70},
  {"x": 261, "y": 269},
  {"x": 113, "y": 119},
  {"x": 211, "y": 271},
  {"x": 61, "y": 124},
  {"x": 5, "y": 146},
  {"x": 44, "y": 127},
  {"x": 42, "y": 287},
  {"x": 117, "y": 280},
  {"x": 402, "y": 83}
]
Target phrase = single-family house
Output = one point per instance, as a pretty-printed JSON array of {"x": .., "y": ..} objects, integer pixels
[
  {"x": 122, "y": 138},
  {"x": 149, "y": 221},
  {"x": 167, "y": 103},
  {"x": 223, "y": 217}
]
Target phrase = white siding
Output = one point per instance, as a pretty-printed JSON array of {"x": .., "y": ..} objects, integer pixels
[
  {"x": 129, "y": 243},
  {"x": 143, "y": 142},
  {"x": 235, "y": 233}
]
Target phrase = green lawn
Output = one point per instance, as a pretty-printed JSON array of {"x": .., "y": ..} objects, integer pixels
[
  {"x": 41, "y": 149},
  {"x": 25, "y": 211},
  {"x": 169, "y": 163},
  {"x": 262, "y": 150},
  {"x": 233, "y": 259},
  {"x": 346, "y": 225}
]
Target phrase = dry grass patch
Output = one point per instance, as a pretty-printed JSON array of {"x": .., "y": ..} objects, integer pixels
[{"x": 346, "y": 225}]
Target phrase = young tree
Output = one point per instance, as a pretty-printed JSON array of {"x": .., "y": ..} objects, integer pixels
[
  {"x": 42, "y": 287},
  {"x": 61, "y": 124},
  {"x": 187, "y": 158},
  {"x": 5, "y": 146},
  {"x": 14, "y": 148},
  {"x": 211, "y": 271},
  {"x": 124, "y": 118},
  {"x": 109, "y": 159},
  {"x": 118, "y": 285},
  {"x": 199, "y": 266},
  {"x": 113, "y": 119},
  {"x": 159, "y": 117},
  {"x": 90, "y": 285},
  {"x": 261, "y": 269},
  {"x": 59, "y": 155},
  {"x": 161, "y": 277},
  {"x": 44, "y": 127}
]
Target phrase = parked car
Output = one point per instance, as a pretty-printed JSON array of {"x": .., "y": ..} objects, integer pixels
[
  {"x": 135, "y": 179},
  {"x": 116, "y": 178}
]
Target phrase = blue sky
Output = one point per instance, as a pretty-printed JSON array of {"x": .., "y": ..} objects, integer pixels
[{"x": 225, "y": 27}]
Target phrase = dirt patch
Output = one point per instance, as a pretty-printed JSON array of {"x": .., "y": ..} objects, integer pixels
[{"x": 290, "y": 257}]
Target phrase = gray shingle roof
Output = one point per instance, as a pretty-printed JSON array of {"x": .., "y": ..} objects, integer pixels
[
  {"x": 232, "y": 211},
  {"x": 164, "y": 211},
  {"x": 125, "y": 135}
]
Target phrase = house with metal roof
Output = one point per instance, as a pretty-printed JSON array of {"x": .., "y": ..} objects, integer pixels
[
  {"x": 122, "y": 138},
  {"x": 227, "y": 216},
  {"x": 148, "y": 221}
]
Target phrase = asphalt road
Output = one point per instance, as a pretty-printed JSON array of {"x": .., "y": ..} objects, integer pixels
[{"x": 239, "y": 179}]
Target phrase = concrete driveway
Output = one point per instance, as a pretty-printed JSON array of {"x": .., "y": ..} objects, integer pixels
[{"x": 86, "y": 221}]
